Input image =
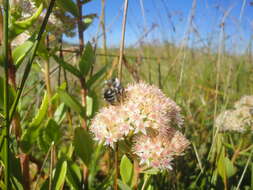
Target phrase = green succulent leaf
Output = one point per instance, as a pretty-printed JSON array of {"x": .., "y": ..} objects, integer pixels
[
  {"x": 126, "y": 170},
  {"x": 74, "y": 175},
  {"x": 84, "y": 145},
  {"x": 20, "y": 52},
  {"x": 60, "y": 113},
  {"x": 88, "y": 20},
  {"x": 18, "y": 27},
  {"x": 60, "y": 175},
  {"x": 123, "y": 186},
  {"x": 69, "y": 6},
  {"x": 89, "y": 105},
  {"x": 49, "y": 134},
  {"x": 87, "y": 60},
  {"x": 42, "y": 112}
]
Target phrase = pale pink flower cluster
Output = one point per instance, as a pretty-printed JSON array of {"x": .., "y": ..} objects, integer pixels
[
  {"x": 238, "y": 119},
  {"x": 110, "y": 125},
  {"x": 149, "y": 107},
  {"x": 157, "y": 151},
  {"x": 148, "y": 115}
]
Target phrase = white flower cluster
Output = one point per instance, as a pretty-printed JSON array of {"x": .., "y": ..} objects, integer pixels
[{"x": 238, "y": 119}]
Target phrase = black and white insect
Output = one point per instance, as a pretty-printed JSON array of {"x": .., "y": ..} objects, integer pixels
[{"x": 113, "y": 93}]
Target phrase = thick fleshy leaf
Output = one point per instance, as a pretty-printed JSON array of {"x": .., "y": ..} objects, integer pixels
[
  {"x": 230, "y": 168},
  {"x": 31, "y": 134},
  {"x": 16, "y": 184},
  {"x": 126, "y": 170},
  {"x": 71, "y": 102},
  {"x": 42, "y": 112},
  {"x": 60, "y": 175},
  {"x": 17, "y": 27},
  {"x": 15, "y": 169},
  {"x": 123, "y": 186},
  {"x": 74, "y": 175},
  {"x": 151, "y": 171},
  {"x": 87, "y": 60},
  {"x": 88, "y": 20},
  {"x": 21, "y": 52},
  {"x": 83, "y": 144},
  {"x": 48, "y": 134},
  {"x": 69, "y": 6},
  {"x": 96, "y": 76},
  {"x": 68, "y": 67},
  {"x": 221, "y": 166},
  {"x": 60, "y": 113},
  {"x": 89, "y": 106}
]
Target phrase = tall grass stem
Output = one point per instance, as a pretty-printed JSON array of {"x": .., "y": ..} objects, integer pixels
[
  {"x": 122, "y": 43},
  {"x": 6, "y": 96}
]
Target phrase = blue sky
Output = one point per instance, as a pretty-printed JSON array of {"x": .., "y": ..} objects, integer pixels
[{"x": 171, "y": 18}]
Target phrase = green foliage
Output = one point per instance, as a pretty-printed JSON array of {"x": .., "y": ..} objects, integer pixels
[
  {"x": 18, "y": 27},
  {"x": 20, "y": 52},
  {"x": 123, "y": 186},
  {"x": 74, "y": 175},
  {"x": 84, "y": 145},
  {"x": 60, "y": 113},
  {"x": 68, "y": 67},
  {"x": 12, "y": 95},
  {"x": 88, "y": 20},
  {"x": 87, "y": 60},
  {"x": 126, "y": 170},
  {"x": 60, "y": 174},
  {"x": 89, "y": 105},
  {"x": 42, "y": 112},
  {"x": 71, "y": 102},
  {"x": 96, "y": 76},
  {"x": 31, "y": 134},
  {"x": 69, "y": 6},
  {"x": 49, "y": 134}
]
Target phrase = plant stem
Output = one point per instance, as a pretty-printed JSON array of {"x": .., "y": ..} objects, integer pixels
[
  {"x": 102, "y": 22},
  {"x": 116, "y": 166},
  {"x": 6, "y": 96},
  {"x": 136, "y": 175},
  {"x": 145, "y": 182},
  {"x": 47, "y": 79},
  {"x": 159, "y": 74},
  {"x": 51, "y": 166},
  {"x": 80, "y": 26},
  {"x": 81, "y": 46}
]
